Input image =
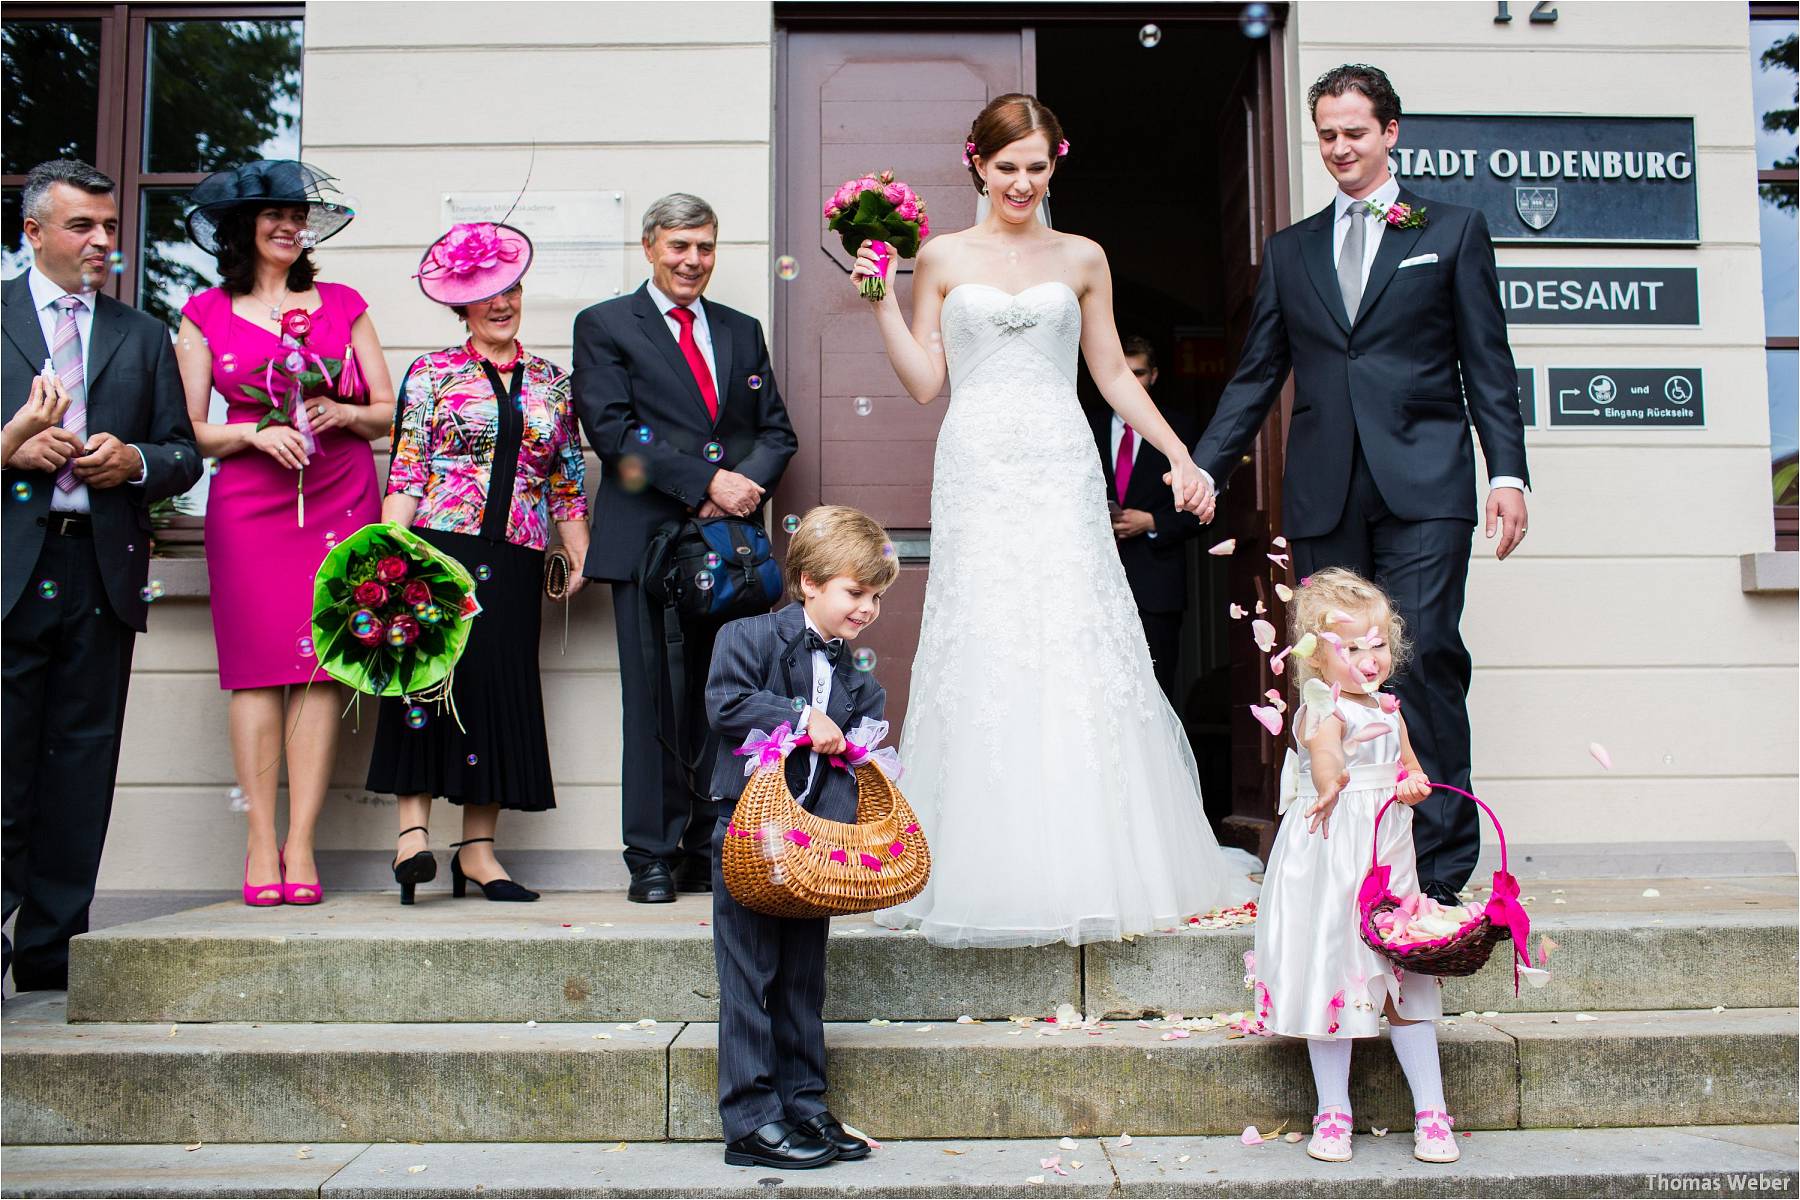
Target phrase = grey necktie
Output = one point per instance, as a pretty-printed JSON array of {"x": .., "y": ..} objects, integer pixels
[{"x": 1350, "y": 276}]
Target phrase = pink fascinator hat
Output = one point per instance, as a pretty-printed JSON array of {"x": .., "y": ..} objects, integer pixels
[{"x": 475, "y": 261}]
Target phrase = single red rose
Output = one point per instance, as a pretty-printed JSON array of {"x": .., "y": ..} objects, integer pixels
[
  {"x": 296, "y": 323},
  {"x": 366, "y": 627},
  {"x": 391, "y": 569},
  {"x": 405, "y": 630},
  {"x": 370, "y": 593},
  {"x": 417, "y": 592}
]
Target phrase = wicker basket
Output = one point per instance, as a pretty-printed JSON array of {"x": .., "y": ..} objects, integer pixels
[
  {"x": 1462, "y": 953},
  {"x": 781, "y": 860}
]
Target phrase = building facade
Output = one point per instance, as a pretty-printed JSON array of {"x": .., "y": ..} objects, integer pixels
[{"x": 1651, "y": 610}]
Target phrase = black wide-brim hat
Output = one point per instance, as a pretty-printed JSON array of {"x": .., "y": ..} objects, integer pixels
[{"x": 262, "y": 183}]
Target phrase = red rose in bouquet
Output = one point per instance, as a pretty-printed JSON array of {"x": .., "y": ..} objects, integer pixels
[
  {"x": 403, "y": 631},
  {"x": 370, "y": 593},
  {"x": 391, "y": 569},
  {"x": 366, "y": 627},
  {"x": 417, "y": 592}
]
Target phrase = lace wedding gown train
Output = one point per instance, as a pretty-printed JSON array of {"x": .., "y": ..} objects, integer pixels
[{"x": 1053, "y": 780}]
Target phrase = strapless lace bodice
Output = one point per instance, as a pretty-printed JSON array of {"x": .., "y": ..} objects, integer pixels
[{"x": 985, "y": 327}]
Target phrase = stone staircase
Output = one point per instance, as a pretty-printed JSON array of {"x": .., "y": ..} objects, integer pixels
[{"x": 1670, "y": 1021}]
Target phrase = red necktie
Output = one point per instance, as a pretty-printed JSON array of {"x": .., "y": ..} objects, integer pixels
[
  {"x": 690, "y": 349},
  {"x": 1122, "y": 464}
]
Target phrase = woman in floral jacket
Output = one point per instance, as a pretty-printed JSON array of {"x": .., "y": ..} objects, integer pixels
[{"x": 486, "y": 456}]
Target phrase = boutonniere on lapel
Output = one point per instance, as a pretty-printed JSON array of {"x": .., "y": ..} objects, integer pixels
[{"x": 1398, "y": 215}]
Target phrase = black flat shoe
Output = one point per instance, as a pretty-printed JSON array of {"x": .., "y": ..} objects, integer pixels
[
  {"x": 829, "y": 1129},
  {"x": 782, "y": 1145},
  {"x": 420, "y": 868},
  {"x": 652, "y": 884},
  {"x": 493, "y": 889}
]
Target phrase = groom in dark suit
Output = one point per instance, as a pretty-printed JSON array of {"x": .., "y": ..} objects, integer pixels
[
  {"x": 77, "y": 552},
  {"x": 1385, "y": 306},
  {"x": 678, "y": 399}
]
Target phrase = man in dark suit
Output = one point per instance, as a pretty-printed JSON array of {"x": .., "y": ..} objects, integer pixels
[
  {"x": 678, "y": 399},
  {"x": 1151, "y": 533},
  {"x": 76, "y": 538},
  {"x": 1385, "y": 306}
]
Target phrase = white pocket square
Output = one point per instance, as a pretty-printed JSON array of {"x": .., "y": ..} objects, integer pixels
[{"x": 1414, "y": 262}]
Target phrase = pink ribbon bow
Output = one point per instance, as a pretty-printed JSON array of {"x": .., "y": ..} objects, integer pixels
[
  {"x": 1503, "y": 908},
  {"x": 863, "y": 744},
  {"x": 768, "y": 749}
]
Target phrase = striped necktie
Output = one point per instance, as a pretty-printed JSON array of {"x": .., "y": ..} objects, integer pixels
[{"x": 65, "y": 359}]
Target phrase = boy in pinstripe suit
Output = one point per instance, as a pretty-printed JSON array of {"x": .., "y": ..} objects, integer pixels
[{"x": 792, "y": 666}]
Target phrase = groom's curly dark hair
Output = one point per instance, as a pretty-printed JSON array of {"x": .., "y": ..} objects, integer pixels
[{"x": 1357, "y": 77}]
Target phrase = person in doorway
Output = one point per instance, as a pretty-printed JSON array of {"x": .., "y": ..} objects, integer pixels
[
  {"x": 772, "y": 969},
  {"x": 76, "y": 534},
  {"x": 1152, "y": 533},
  {"x": 487, "y": 458},
  {"x": 1385, "y": 308},
  {"x": 678, "y": 399},
  {"x": 1036, "y": 721},
  {"x": 261, "y": 221}
]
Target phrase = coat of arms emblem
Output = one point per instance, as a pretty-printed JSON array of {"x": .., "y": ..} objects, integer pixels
[{"x": 1536, "y": 205}]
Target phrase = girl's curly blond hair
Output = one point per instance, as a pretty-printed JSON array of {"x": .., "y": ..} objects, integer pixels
[{"x": 1341, "y": 590}]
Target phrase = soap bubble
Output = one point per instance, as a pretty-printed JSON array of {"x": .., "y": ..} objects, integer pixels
[
  {"x": 47, "y": 589},
  {"x": 799, "y": 704},
  {"x": 887, "y": 550},
  {"x": 1149, "y": 36},
  {"x": 786, "y": 267},
  {"x": 212, "y": 466},
  {"x": 703, "y": 580},
  {"x": 644, "y": 435},
  {"x": 21, "y": 491},
  {"x": 472, "y": 760},
  {"x": 362, "y": 623},
  {"x": 115, "y": 262},
  {"x": 416, "y": 717},
  {"x": 863, "y": 406},
  {"x": 863, "y": 659},
  {"x": 396, "y": 636},
  {"x": 308, "y": 239},
  {"x": 1253, "y": 22},
  {"x": 712, "y": 561},
  {"x": 484, "y": 572},
  {"x": 755, "y": 382},
  {"x": 236, "y": 801},
  {"x": 305, "y": 647},
  {"x": 791, "y": 523},
  {"x": 713, "y": 452},
  {"x": 228, "y": 363}
]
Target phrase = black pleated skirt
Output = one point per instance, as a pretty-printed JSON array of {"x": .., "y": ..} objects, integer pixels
[{"x": 501, "y": 752}]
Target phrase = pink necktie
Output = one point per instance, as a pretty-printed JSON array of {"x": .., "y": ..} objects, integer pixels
[
  {"x": 690, "y": 350},
  {"x": 65, "y": 359},
  {"x": 1122, "y": 464}
]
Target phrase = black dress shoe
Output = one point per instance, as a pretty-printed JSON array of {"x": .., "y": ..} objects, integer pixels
[
  {"x": 828, "y": 1128},
  {"x": 652, "y": 884},
  {"x": 780, "y": 1144}
]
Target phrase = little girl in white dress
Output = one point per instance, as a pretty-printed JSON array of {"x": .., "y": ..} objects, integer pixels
[{"x": 1313, "y": 977}]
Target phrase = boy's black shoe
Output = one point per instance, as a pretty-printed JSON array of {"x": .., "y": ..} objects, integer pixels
[
  {"x": 780, "y": 1144},
  {"x": 828, "y": 1128},
  {"x": 652, "y": 884}
]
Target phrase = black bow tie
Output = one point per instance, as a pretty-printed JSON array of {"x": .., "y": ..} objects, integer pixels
[{"x": 834, "y": 649}]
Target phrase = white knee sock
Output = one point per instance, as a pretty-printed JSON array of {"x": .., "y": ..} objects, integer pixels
[
  {"x": 1416, "y": 1046},
  {"x": 1331, "y": 1072}
]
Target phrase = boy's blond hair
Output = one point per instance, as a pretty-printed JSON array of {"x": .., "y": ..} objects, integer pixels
[
  {"x": 1340, "y": 590},
  {"x": 835, "y": 540}
]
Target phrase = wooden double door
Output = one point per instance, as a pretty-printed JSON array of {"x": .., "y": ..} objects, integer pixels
[{"x": 900, "y": 92}]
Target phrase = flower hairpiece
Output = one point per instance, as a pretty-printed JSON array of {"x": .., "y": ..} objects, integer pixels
[
  {"x": 968, "y": 153},
  {"x": 1062, "y": 148}
]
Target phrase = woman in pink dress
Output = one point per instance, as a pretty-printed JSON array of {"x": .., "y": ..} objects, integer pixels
[{"x": 306, "y": 390}]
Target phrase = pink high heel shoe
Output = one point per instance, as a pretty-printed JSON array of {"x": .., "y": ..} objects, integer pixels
[
  {"x": 253, "y": 893},
  {"x": 290, "y": 892}
]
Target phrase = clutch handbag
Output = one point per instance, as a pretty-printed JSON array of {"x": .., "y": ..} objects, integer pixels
[
  {"x": 557, "y": 568},
  {"x": 781, "y": 860}
]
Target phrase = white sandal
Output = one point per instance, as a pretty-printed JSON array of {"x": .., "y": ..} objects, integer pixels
[
  {"x": 1331, "y": 1136},
  {"x": 1433, "y": 1140}
]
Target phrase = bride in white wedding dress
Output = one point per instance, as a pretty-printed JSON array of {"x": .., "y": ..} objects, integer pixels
[{"x": 1052, "y": 778}]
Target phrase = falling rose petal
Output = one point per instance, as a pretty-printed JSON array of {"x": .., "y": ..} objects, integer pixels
[
  {"x": 1238, "y": 612},
  {"x": 1283, "y": 592},
  {"x": 1545, "y": 946},
  {"x": 1370, "y": 732},
  {"x": 1264, "y": 633},
  {"x": 1267, "y": 717},
  {"x": 1600, "y": 754},
  {"x": 1222, "y": 549},
  {"x": 1279, "y": 543},
  {"x": 1389, "y": 702},
  {"x": 1338, "y": 616},
  {"x": 1280, "y": 560},
  {"x": 1305, "y": 646},
  {"x": 1537, "y": 977},
  {"x": 1261, "y": 608},
  {"x": 1276, "y": 700},
  {"x": 1250, "y": 1136}
]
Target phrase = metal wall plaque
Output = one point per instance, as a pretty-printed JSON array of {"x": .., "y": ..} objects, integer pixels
[
  {"x": 1600, "y": 295},
  {"x": 1630, "y": 397},
  {"x": 1568, "y": 179},
  {"x": 578, "y": 240}
]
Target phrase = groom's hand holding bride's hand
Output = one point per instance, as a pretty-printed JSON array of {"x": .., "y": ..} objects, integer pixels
[
  {"x": 826, "y": 737},
  {"x": 1193, "y": 490}
]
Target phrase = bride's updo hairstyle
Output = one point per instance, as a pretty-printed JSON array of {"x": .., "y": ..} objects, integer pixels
[
  {"x": 1336, "y": 590},
  {"x": 1004, "y": 121}
]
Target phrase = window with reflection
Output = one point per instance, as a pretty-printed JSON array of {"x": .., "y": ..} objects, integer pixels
[{"x": 1775, "y": 89}]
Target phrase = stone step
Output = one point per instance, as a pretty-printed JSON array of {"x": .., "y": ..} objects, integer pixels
[
  {"x": 461, "y": 1082},
  {"x": 594, "y": 957},
  {"x": 1742, "y": 1160}
]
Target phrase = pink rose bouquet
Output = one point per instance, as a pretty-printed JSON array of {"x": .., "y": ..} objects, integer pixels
[{"x": 882, "y": 211}]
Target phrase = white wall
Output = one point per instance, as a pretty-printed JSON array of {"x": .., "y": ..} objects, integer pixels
[{"x": 1622, "y": 619}]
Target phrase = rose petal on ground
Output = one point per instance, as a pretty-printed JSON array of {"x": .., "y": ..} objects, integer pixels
[
  {"x": 415, "y": 1170},
  {"x": 955, "y": 1151},
  {"x": 1585, "y": 1017},
  {"x": 1251, "y": 1136},
  {"x": 1068, "y": 1143},
  {"x": 603, "y": 1037},
  {"x": 1378, "y": 1131},
  {"x": 1291, "y": 1138},
  {"x": 967, "y": 1020},
  {"x": 1183, "y": 1157},
  {"x": 1075, "y": 1164},
  {"x": 614, "y": 1149},
  {"x": 1124, "y": 1139},
  {"x": 193, "y": 1146},
  {"x": 1600, "y": 754},
  {"x": 1222, "y": 549},
  {"x": 1650, "y": 893},
  {"x": 1034, "y": 1179}
]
